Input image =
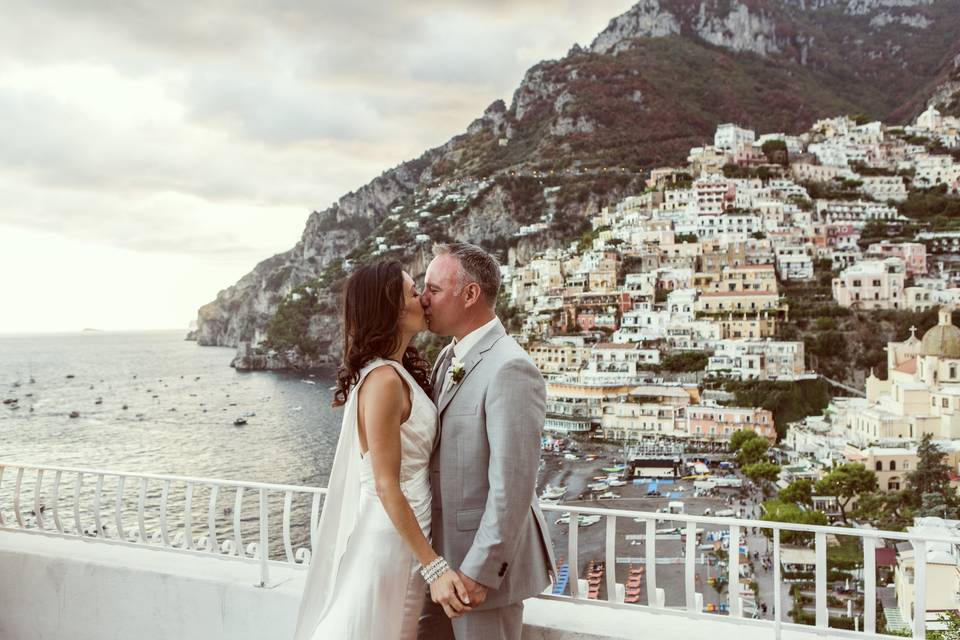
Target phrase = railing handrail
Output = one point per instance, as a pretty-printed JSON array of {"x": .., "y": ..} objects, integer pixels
[
  {"x": 766, "y": 524},
  {"x": 167, "y": 477}
]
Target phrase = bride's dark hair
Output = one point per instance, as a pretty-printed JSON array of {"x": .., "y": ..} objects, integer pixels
[{"x": 373, "y": 299}]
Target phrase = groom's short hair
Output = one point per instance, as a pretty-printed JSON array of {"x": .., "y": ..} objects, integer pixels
[{"x": 476, "y": 265}]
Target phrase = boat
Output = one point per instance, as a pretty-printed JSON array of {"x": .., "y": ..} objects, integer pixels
[
  {"x": 239, "y": 422},
  {"x": 609, "y": 495},
  {"x": 584, "y": 521},
  {"x": 616, "y": 469},
  {"x": 616, "y": 483},
  {"x": 74, "y": 414},
  {"x": 570, "y": 456},
  {"x": 597, "y": 486},
  {"x": 553, "y": 493}
]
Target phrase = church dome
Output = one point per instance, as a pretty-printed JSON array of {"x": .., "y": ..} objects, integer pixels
[{"x": 942, "y": 340}]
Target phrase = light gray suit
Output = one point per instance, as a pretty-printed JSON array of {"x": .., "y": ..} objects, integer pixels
[{"x": 486, "y": 518}]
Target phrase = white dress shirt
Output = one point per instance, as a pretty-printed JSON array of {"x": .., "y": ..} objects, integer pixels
[{"x": 461, "y": 348}]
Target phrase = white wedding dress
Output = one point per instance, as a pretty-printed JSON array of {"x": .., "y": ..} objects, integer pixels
[{"x": 364, "y": 581}]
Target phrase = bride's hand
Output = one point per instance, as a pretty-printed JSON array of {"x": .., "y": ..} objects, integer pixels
[{"x": 450, "y": 593}]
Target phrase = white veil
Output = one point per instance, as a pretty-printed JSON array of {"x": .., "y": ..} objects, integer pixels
[{"x": 337, "y": 519}]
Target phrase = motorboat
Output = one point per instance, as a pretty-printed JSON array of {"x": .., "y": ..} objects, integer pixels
[
  {"x": 583, "y": 521},
  {"x": 553, "y": 493},
  {"x": 609, "y": 495},
  {"x": 616, "y": 483},
  {"x": 598, "y": 486}
]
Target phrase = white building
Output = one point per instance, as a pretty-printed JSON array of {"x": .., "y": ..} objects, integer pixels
[
  {"x": 730, "y": 137},
  {"x": 871, "y": 284},
  {"x": 757, "y": 360}
]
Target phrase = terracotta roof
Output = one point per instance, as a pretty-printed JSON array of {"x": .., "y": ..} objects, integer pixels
[{"x": 908, "y": 366}]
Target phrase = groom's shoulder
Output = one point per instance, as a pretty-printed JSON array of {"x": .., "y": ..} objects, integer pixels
[{"x": 508, "y": 350}]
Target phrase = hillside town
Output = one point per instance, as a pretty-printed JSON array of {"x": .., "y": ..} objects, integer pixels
[{"x": 675, "y": 298}]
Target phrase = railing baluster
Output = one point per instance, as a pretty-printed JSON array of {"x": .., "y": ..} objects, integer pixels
[
  {"x": 96, "y": 506},
  {"x": 821, "y": 579},
  {"x": 733, "y": 564},
  {"x": 314, "y": 521},
  {"x": 188, "y": 518},
  {"x": 287, "y": 504},
  {"x": 36, "y": 499},
  {"x": 3, "y": 522},
  {"x": 118, "y": 509},
  {"x": 919, "y": 589},
  {"x": 869, "y": 585},
  {"x": 237, "y": 506},
  {"x": 212, "y": 518},
  {"x": 689, "y": 566},
  {"x": 777, "y": 598},
  {"x": 16, "y": 498},
  {"x": 650, "y": 547},
  {"x": 611, "y": 558},
  {"x": 141, "y": 503},
  {"x": 76, "y": 504},
  {"x": 164, "y": 533},
  {"x": 56, "y": 502},
  {"x": 573, "y": 563},
  {"x": 264, "y": 547}
]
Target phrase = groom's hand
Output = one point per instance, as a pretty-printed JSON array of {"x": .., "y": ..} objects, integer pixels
[{"x": 476, "y": 591}]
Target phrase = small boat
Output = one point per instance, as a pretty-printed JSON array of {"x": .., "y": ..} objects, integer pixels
[
  {"x": 584, "y": 521},
  {"x": 98, "y": 401},
  {"x": 616, "y": 483},
  {"x": 239, "y": 422},
  {"x": 70, "y": 375},
  {"x": 309, "y": 381},
  {"x": 609, "y": 495},
  {"x": 616, "y": 469},
  {"x": 553, "y": 493},
  {"x": 74, "y": 414},
  {"x": 598, "y": 486}
]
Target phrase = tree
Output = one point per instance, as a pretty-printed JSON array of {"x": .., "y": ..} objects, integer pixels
[
  {"x": 890, "y": 511},
  {"x": 933, "y": 504},
  {"x": 845, "y": 483},
  {"x": 753, "y": 451},
  {"x": 779, "y": 511},
  {"x": 762, "y": 471},
  {"x": 932, "y": 474},
  {"x": 799, "y": 492},
  {"x": 739, "y": 437}
]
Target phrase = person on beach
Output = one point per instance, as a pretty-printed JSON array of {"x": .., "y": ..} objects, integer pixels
[{"x": 491, "y": 401}]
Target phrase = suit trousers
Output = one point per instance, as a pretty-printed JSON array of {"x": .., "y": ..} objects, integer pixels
[{"x": 502, "y": 623}]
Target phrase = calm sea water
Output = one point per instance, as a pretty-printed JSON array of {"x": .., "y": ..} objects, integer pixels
[
  {"x": 151, "y": 402},
  {"x": 181, "y": 402}
]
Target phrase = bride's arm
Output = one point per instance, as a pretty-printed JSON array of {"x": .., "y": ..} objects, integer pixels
[{"x": 381, "y": 399}]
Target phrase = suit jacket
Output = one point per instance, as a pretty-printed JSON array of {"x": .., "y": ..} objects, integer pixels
[{"x": 486, "y": 517}]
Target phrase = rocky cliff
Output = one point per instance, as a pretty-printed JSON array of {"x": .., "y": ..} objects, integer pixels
[{"x": 580, "y": 131}]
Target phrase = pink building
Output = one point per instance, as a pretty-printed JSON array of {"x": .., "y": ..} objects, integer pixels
[
  {"x": 914, "y": 254},
  {"x": 719, "y": 423}
]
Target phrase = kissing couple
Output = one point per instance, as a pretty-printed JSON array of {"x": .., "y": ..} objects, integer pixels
[{"x": 434, "y": 479}]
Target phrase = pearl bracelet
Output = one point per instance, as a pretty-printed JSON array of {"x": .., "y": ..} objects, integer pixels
[{"x": 436, "y": 568}]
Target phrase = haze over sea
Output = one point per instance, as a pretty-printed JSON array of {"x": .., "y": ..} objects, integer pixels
[{"x": 181, "y": 400}]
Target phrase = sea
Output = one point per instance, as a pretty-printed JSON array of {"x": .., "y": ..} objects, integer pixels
[{"x": 152, "y": 402}]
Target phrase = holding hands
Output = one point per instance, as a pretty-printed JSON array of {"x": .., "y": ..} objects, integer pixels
[{"x": 449, "y": 592}]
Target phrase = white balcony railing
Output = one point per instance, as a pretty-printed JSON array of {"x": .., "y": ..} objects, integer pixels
[{"x": 159, "y": 512}]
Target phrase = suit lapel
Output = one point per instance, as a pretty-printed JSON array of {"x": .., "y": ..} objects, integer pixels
[
  {"x": 439, "y": 370},
  {"x": 470, "y": 362}
]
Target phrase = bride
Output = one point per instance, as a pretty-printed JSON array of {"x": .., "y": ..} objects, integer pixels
[{"x": 372, "y": 553}]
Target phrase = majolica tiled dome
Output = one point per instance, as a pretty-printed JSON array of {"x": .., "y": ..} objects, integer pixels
[{"x": 942, "y": 340}]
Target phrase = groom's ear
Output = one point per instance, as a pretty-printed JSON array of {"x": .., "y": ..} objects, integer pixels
[{"x": 471, "y": 295}]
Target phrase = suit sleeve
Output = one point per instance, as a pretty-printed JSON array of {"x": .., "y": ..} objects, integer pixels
[{"x": 515, "y": 407}]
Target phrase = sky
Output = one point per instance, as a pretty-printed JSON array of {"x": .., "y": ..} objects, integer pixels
[{"x": 152, "y": 153}]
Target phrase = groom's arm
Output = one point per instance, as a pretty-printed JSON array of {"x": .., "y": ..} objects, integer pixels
[{"x": 515, "y": 407}]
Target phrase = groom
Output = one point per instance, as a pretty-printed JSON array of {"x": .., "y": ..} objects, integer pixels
[{"x": 491, "y": 401}]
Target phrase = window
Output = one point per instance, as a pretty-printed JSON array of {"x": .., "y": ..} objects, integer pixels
[
  {"x": 944, "y": 403},
  {"x": 893, "y": 465},
  {"x": 856, "y": 283},
  {"x": 876, "y": 283},
  {"x": 879, "y": 466}
]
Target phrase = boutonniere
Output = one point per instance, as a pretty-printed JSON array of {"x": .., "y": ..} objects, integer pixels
[{"x": 456, "y": 367}]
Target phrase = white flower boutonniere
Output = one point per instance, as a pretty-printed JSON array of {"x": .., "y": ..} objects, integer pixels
[{"x": 456, "y": 368}]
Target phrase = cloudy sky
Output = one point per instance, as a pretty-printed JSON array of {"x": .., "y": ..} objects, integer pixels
[{"x": 151, "y": 153}]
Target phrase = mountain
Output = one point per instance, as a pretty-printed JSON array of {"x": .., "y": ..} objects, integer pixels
[{"x": 580, "y": 131}]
